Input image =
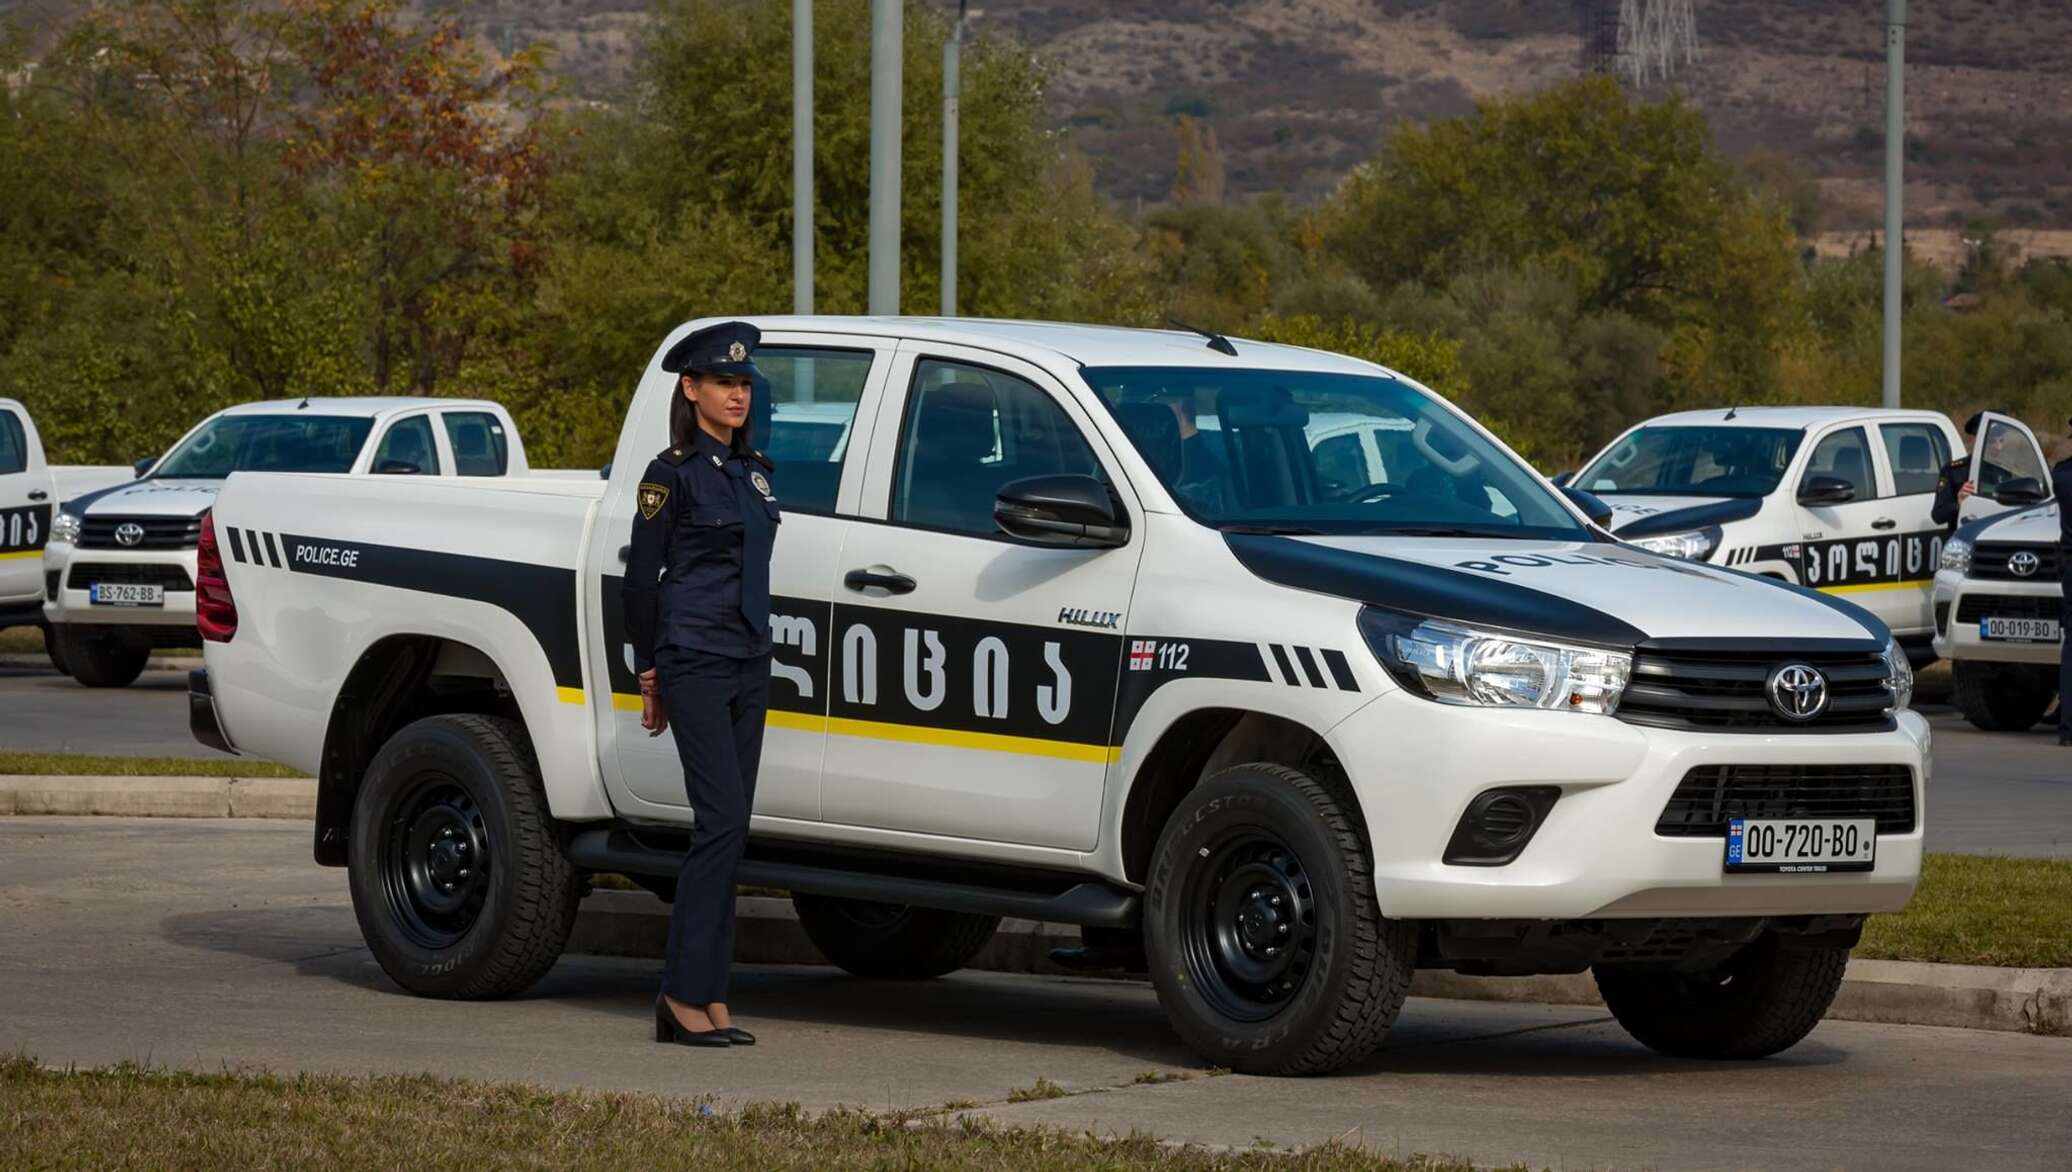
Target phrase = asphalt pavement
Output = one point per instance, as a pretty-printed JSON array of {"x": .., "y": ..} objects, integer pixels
[
  {"x": 1993, "y": 793},
  {"x": 218, "y": 944}
]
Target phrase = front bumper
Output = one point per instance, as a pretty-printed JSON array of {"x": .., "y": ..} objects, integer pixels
[
  {"x": 1957, "y": 637},
  {"x": 1416, "y": 765},
  {"x": 70, "y": 601}
]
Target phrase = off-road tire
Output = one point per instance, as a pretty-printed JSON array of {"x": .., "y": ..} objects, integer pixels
[
  {"x": 97, "y": 659},
  {"x": 2002, "y": 697},
  {"x": 1761, "y": 1000},
  {"x": 1359, "y": 963},
  {"x": 477, "y": 774},
  {"x": 891, "y": 941},
  {"x": 54, "y": 647}
]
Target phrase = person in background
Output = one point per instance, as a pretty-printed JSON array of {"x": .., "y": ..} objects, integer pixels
[
  {"x": 1954, "y": 486},
  {"x": 2061, "y": 488}
]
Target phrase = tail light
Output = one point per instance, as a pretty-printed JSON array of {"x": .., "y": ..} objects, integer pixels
[{"x": 215, "y": 611}]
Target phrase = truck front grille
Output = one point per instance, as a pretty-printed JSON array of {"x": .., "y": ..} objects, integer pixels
[
  {"x": 84, "y": 574},
  {"x": 1990, "y": 560},
  {"x": 1711, "y": 794},
  {"x": 1727, "y": 689},
  {"x": 156, "y": 532},
  {"x": 2007, "y": 606}
]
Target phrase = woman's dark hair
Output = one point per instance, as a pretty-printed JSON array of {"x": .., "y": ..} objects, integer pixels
[{"x": 683, "y": 418}]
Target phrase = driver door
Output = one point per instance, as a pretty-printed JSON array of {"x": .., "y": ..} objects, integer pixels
[
  {"x": 1855, "y": 547},
  {"x": 2007, "y": 450},
  {"x": 25, "y": 507}
]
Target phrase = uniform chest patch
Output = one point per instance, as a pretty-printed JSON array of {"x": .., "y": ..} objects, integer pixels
[
  {"x": 761, "y": 482},
  {"x": 652, "y": 498}
]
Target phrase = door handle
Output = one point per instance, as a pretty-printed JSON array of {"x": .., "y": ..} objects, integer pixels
[
  {"x": 890, "y": 581},
  {"x": 1884, "y": 523},
  {"x": 39, "y": 495}
]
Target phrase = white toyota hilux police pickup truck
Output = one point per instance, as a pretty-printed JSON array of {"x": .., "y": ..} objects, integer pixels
[
  {"x": 1835, "y": 498},
  {"x": 118, "y": 572},
  {"x": 1040, "y": 652},
  {"x": 1998, "y": 604}
]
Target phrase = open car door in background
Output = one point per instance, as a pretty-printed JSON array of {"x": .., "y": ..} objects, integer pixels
[{"x": 2007, "y": 451}]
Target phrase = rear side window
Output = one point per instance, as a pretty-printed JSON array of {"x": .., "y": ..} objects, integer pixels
[
  {"x": 1846, "y": 456},
  {"x": 14, "y": 445},
  {"x": 801, "y": 417},
  {"x": 1917, "y": 452},
  {"x": 479, "y": 446},
  {"x": 407, "y": 447}
]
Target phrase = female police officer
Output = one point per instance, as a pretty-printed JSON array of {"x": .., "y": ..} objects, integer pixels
[{"x": 697, "y": 598}]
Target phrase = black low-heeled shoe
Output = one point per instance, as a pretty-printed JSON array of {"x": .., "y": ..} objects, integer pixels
[
  {"x": 668, "y": 1029},
  {"x": 739, "y": 1036}
]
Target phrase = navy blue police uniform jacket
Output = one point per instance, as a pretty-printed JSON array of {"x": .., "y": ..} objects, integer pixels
[{"x": 698, "y": 572}]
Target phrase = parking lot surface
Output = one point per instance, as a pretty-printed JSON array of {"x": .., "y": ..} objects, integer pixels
[
  {"x": 1994, "y": 793},
  {"x": 219, "y": 944}
]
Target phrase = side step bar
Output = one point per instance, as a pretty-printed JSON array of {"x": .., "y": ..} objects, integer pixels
[{"x": 1062, "y": 900}]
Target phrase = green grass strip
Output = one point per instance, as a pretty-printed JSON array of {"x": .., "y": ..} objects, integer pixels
[
  {"x": 1981, "y": 909},
  {"x": 89, "y": 765},
  {"x": 126, "y": 1117}
]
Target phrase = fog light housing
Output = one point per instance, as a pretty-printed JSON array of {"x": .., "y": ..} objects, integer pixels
[{"x": 1498, "y": 824}]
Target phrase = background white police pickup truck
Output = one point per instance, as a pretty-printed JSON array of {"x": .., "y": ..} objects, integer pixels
[
  {"x": 1835, "y": 498},
  {"x": 1296, "y": 724},
  {"x": 29, "y": 491},
  {"x": 118, "y": 574},
  {"x": 1999, "y": 607}
]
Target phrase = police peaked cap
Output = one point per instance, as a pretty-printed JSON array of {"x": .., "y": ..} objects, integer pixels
[{"x": 727, "y": 348}]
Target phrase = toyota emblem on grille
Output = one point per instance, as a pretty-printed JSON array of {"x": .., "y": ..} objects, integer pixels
[
  {"x": 129, "y": 533},
  {"x": 1798, "y": 692},
  {"x": 2024, "y": 563}
]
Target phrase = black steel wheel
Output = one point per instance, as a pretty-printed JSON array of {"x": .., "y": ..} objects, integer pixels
[
  {"x": 457, "y": 874},
  {"x": 1267, "y": 948}
]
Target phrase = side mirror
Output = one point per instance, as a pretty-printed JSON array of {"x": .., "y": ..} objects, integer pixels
[
  {"x": 397, "y": 468},
  {"x": 1593, "y": 506},
  {"x": 2022, "y": 492},
  {"x": 144, "y": 465},
  {"x": 1060, "y": 510},
  {"x": 605, "y": 473},
  {"x": 1826, "y": 490},
  {"x": 1561, "y": 479}
]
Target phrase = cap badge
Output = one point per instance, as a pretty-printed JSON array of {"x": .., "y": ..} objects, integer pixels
[{"x": 737, "y": 353}]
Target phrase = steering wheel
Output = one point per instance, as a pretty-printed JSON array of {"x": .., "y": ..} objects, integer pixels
[{"x": 1367, "y": 493}]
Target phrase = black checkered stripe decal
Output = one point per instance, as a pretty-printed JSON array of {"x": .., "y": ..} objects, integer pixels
[
  {"x": 1309, "y": 667},
  {"x": 253, "y": 547}
]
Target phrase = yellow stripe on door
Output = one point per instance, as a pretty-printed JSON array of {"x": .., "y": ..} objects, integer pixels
[
  {"x": 919, "y": 735},
  {"x": 1867, "y": 587}
]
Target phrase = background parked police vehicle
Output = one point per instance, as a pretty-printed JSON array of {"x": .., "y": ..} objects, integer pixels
[
  {"x": 119, "y": 571},
  {"x": 1997, "y": 617},
  {"x": 30, "y": 488},
  {"x": 1840, "y": 499},
  {"x": 1335, "y": 720}
]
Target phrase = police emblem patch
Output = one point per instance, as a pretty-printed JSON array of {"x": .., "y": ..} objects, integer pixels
[
  {"x": 737, "y": 353},
  {"x": 652, "y": 498},
  {"x": 761, "y": 482}
]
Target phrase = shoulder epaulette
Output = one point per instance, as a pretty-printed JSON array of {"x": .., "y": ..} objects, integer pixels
[
  {"x": 757, "y": 455},
  {"x": 675, "y": 455}
]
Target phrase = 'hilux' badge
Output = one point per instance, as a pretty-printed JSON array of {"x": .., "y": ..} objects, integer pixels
[{"x": 1107, "y": 620}]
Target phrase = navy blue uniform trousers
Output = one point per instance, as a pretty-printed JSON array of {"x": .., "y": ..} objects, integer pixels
[{"x": 716, "y": 705}]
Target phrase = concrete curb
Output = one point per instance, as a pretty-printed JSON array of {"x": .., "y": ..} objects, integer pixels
[
  {"x": 160, "y": 797},
  {"x": 2029, "y": 1001}
]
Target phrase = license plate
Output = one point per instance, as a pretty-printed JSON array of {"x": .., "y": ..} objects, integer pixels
[
  {"x": 125, "y": 594},
  {"x": 2019, "y": 630},
  {"x": 1801, "y": 846}
]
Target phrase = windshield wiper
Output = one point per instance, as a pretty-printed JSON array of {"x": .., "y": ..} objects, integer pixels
[{"x": 1273, "y": 530}]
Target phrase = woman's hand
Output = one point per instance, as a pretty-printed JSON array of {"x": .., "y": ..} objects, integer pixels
[{"x": 652, "y": 716}]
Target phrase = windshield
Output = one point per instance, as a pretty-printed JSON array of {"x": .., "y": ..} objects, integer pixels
[
  {"x": 1694, "y": 461},
  {"x": 268, "y": 443},
  {"x": 1301, "y": 451}
]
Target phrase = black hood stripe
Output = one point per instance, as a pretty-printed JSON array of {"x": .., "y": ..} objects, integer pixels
[
  {"x": 1473, "y": 599},
  {"x": 1717, "y": 513}
]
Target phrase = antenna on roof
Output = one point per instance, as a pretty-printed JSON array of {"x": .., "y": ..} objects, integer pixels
[
  {"x": 1217, "y": 342},
  {"x": 1730, "y": 412},
  {"x": 304, "y": 404}
]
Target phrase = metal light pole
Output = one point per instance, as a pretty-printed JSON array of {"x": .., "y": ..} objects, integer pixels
[
  {"x": 887, "y": 85},
  {"x": 1895, "y": 150},
  {"x": 802, "y": 156},
  {"x": 952, "y": 90}
]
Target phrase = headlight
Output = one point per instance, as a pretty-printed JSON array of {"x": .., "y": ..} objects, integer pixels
[
  {"x": 1453, "y": 664},
  {"x": 1957, "y": 555},
  {"x": 1899, "y": 676},
  {"x": 1693, "y": 545},
  {"x": 65, "y": 528}
]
